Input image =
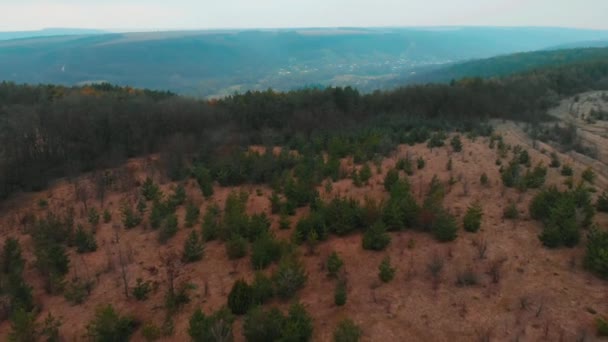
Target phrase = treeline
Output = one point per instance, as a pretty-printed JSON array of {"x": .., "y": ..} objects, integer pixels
[{"x": 53, "y": 131}]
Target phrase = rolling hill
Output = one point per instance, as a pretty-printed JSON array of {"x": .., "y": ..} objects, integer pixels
[{"x": 215, "y": 63}]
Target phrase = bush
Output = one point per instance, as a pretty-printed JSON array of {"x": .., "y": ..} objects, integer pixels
[
  {"x": 284, "y": 222},
  {"x": 217, "y": 327},
  {"x": 536, "y": 178},
  {"x": 129, "y": 218},
  {"x": 77, "y": 291},
  {"x": 392, "y": 177},
  {"x": 193, "y": 248},
  {"x": 333, "y": 264},
  {"x": 93, "y": 217},
  {"x": 466, "y": 278},
  {"x": 588, "y": 175},
  {"x": 602, "y": 326},
  {"x": 445, "y": 227},
  {"x": 108, "y": 325},
  {"x": 523, "y": 157},
  {"x": 376, "y": 238},
  {"x": 596, "y": 257},
  {"x": 365, "y": 173},
  {"x": 602, "y": 202},
  {"x": 567, "y": 170},
  {"x": 142, "y": 289},
  {"x": 347, "y": 331},
  {"x": 262, "y": 289},
  {"x": 483, "y": 179},
  {"x": 456, "y": 143},
  {"x": 386, "y": 271},
  {"x": 204, "y": 180},
  {"x": 405, "y": 164},
  {"x": 555, "y": 163},
  {"x": 262, "y": 326},
  {"x": 168, "y": 229},
  {"x": 107, "y": 217},
  {"x": 436, "y": 140},
  {"x": 511, "y": 212},
  {"x": 211, "y": 223},
  {"x": 420, "y": 163},
  {"x": 289, "y": 277},
  {"x": 149, "y": 190},
  {"x": 236, "y": 247},
  {"x": 24, "y": 327},
  {"x": 151, "y": 332},
  {"x": 192, "y": 214},
  {"x": 472, "y": 218},
  {"x": 264, "y": 251},
  {"x": 340, "y": 293},
  {"x": 240, "y": 297},
  {"x": 84, "y": 241},
  {"x": 298, "y": 325}
]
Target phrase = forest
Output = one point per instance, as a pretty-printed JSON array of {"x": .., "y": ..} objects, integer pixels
[{"x": 51, "y": 131}]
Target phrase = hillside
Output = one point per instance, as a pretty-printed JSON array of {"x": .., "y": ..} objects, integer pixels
[
  {"x": 212, "y": 63},
  {"x": 475, "y": 210},
  {"x": 503, "y": 65}
]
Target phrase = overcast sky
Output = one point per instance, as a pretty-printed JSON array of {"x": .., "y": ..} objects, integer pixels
[{"x": 193, "y": 14}]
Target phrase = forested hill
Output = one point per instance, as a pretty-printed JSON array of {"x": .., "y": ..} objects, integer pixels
[
  {"x": 216, "y": 63},
  {"x": 502, "y": 65},
  {"x": 52, "y": 131}
]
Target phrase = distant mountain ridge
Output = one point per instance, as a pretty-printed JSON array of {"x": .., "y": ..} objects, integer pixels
[
  {"x": 219, "y": 62},
  {"x": 48, "y": 32}
]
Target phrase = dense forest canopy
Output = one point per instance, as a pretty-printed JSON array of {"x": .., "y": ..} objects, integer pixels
[{"x": 51, "y": 131}]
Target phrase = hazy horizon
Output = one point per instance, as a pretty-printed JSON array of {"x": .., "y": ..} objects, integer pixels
[{"x": 156, "y": 15}]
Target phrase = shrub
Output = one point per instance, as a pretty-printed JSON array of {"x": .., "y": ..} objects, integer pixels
[
  {"x": 392, "y": 176},
  {"x": 77, "y": 291},
  {"x": 298, "y": 325},
  {"x": 523, "y": 157},
  {"x": 107, "y": 217},
  {"x": 192, "y": 214},
  {"x": 24, "y": 327},
  {"x": 151, "y": 332},
  {"x": 149, "y": 190},
  {"x": 588, "y": 175},
  {"x": 420, "y": 163},
  {"x": 567, "y": 170},
  {"x": 483, "y": 179},
  {"x": 289, "y": 277},
  {"x": 347, "y": 331},
  {"x": 376, "y": 238},
  {"x": 365, "y": 173},
  {"x": 193, "y": 248},
  {"x": 472, "y": 218},
  {"x": 217, "y": 327},
  {"x": 108, "y": 325},
  {"x": 511, "y": 212},
  {"x": 240, "y": 297},
  {"x": 596, "y": 257},
  {"x": 334, "y": 263},
  {"x": 142, "y": 289},
  {"x": 84, "y": 241},
  {"x": 129, "y": 218},
  {"x": 456, "y": 143},
  {"x": 467, "y": 278},
  {"x": 141, "y": 206},
  {"x": 284, "y": 222},
  {"x": 511, "y": 175},
  {"x": 236, "y": 247},
  {"x": 211, "y": 223},
  {"x": 536, "y": 178},
  {"x": 261, "y": 288},
  {"x": 340, "y": 293},
  {"x": 93, "y": 217},
  {"x": 436, "y": 140},
  {"x": 405, "y": 164},
  {"x": 386, "y": 271},
  {"x": 260, "y": 325},
  {"x": 445, "y": 227},
  {"x": 602, "y": 202},
  {"x": 264, "y": 251},
  {"x": 259, "y": 225},
  {"x": 168, "y": 229},
  {"x": 204, "y": 180},
  {"x": 602, "y": 326}
]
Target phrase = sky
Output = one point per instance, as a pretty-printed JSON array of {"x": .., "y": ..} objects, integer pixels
[{"x": 134, "y": 15}]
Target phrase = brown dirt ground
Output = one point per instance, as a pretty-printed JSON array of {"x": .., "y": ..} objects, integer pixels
[{"x": 559, "y": 295}]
